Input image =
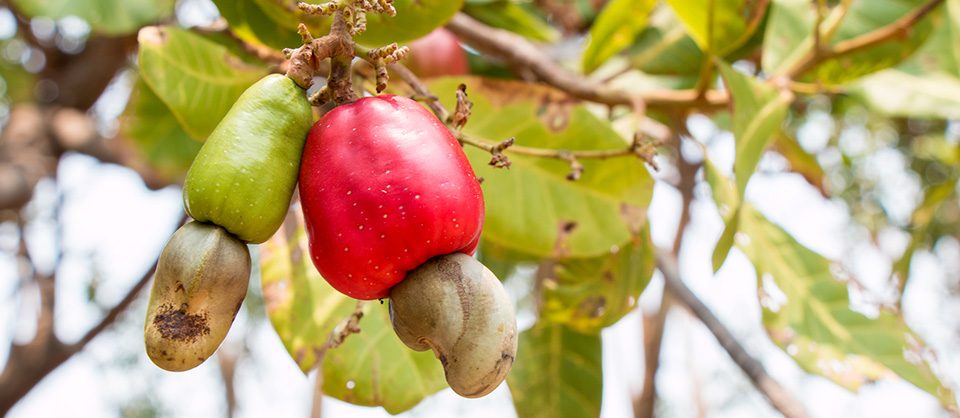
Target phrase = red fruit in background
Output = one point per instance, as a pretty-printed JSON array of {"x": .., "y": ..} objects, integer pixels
[
  {"x": 385, "y": 187},
  {"x": 437, "y": 54}
]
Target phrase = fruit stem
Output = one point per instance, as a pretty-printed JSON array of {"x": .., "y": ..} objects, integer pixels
[
  {"x": 303, "y": 60},
  {"x": 339, "y": 82}
]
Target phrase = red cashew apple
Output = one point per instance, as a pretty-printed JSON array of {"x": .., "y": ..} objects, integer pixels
[
  {"x": 437, "y": 54},
  {"x": 385, "y": 187}
]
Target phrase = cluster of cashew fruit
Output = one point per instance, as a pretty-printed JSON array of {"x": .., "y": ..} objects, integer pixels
[{"x": 392, "y": 210}]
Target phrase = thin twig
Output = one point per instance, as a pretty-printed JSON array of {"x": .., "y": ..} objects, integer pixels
[
  {"x": 637, "y": 148},
  {"x": 889, "y": 33},
  {"x": 782, "y": 400},
  {"x": 520, "y": 53}
]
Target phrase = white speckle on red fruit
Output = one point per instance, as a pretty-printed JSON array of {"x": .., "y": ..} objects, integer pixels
[
  {"x": 345, "y": 249},
  {"x": 361, "y": 226},
  {"x": 383, "y": 236},
  {"x": 386, "y": 172},
  {"x": 384, "y": 215},
  {"x": 416, "y": 197},
  {"x": 349, "y": 192}
]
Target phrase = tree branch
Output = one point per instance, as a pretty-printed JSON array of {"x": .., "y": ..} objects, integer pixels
[
  {"x": 889, "y": 33},
  {"x": 653, "y": 326},
  {"x": 519, "y": 52},
  {"x": 645, "y": 150},
  {"x": 782, "y": 400},
  {"x": 29, "y": 363}
]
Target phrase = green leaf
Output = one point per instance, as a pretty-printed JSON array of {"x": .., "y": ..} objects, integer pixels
[
  {"x": 157, "y": 136},
  {"x": 664, "y": 46},
  {"x": 615, "y": 28},
  {"x": 815, "y": 324},
  {"x": 505, "y": 14},
  {"x": 529, "y": 206},
  {"x": 925, "y": 86},
  {"x": 898, "y": 93},
  {"x": 16, "y": 84},
  {"x": 758, "y": 111},
  {"x": 305, "y": 310},
  {"x": 414, "y": 19},
  {"x": 198, "y": 79},
  {"x": 728, "y": 204},
  {"x": 719, "y": 26},
  {"x": 111, "y": 17},
  {"x": 789, "y": 34},
  {"x": 502, "y": 261},
  {"x": 557, "y": 373},
  {"x": 592, "y": 293},
  {"x": 791, "y": 31},
  {"x": 250, "y": 23}
]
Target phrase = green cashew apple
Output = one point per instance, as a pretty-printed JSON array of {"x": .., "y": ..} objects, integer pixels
[
  {"x": 385, "y": 187},
  {"x": 244, "y": 175},
  {"x": 200, "y": 283},
  {"x": 456, "y": 307}
]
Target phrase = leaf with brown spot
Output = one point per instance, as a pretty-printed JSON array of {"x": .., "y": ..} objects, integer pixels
[
  {"x": 813, "y": 321},
  {"x": 591, "y": 293},
  {"x": 524, "y": 205}
]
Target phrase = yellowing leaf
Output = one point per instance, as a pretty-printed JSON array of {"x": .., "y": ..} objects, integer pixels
[
  {"x": 589, "y": 294},
  {"x": 815, "y": 324},
  {"x": 305, "y": 310},
  {"x": 618, "y": 24},
  {"x": 720, "y": 26},
  {"x": 806, "y": 310}
]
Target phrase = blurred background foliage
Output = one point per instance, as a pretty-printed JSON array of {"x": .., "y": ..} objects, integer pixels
[{"x": 859, "y": 99}]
